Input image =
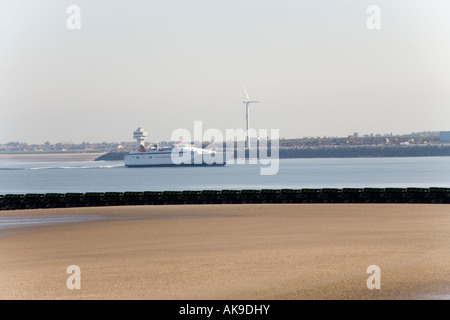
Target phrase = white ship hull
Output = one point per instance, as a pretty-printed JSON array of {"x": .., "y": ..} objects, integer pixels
[{"x": 168, "y": 158}]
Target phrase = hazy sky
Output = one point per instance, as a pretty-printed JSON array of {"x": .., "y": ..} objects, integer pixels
[{"x": 314, "y": 65}]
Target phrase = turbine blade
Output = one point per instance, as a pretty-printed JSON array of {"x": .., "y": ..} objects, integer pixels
[{"x": 246, "y": 94}]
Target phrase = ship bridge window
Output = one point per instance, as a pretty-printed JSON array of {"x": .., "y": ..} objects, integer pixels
[{"x": 137, "y": 157}]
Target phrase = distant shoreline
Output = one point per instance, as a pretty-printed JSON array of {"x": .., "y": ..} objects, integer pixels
[
  {"x": 341, "y": 152},
  {"x": 49, "y": 157},
  {"x": 291, "y": 153}
]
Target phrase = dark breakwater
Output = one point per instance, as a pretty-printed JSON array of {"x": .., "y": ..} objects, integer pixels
[{"x": 325, "y": 195}]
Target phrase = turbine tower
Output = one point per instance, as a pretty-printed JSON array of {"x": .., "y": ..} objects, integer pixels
[{"x": 247, "y": 120}]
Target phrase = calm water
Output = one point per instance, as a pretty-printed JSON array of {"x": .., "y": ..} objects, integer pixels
[{"x": 18, "y": 176}]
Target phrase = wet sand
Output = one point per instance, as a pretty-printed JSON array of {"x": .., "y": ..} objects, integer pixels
[{"x": 289, "y": 251}]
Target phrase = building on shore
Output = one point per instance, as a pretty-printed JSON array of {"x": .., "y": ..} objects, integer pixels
[{"x": 444, "y": 136}]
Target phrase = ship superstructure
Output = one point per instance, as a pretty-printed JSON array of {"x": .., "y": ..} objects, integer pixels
[{"x": 178, "y": 155}]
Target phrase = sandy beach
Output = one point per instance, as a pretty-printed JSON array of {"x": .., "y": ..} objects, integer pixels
[{"x": 289, "y": 251}]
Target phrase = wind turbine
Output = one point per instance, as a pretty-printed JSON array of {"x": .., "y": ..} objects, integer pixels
[{"x": 247, "y": 120}]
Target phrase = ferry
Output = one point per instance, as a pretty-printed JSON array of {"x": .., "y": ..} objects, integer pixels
[{"x": 179, "y": 155}]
